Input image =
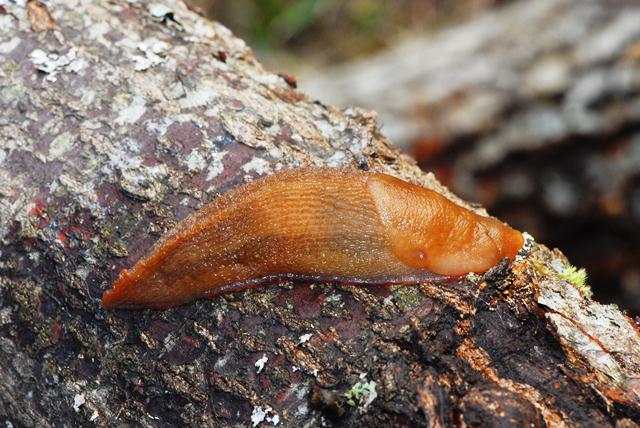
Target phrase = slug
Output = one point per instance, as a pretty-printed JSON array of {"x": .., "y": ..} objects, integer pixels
[{"x": 314, "y": 224}]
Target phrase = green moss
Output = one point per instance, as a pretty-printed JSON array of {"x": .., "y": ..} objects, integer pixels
[
  {"x": 406, "y": 297},
  {"x": 577, "y": 277},
  {"x": 266, "y": 296},
  {"x": 362, "y": 393}
]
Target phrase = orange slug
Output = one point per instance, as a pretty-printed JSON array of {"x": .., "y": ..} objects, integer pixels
[{"x": 314, "y": 224}]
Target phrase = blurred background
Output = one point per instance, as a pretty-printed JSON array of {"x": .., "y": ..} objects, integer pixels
[{"x": 531, "y": 108}]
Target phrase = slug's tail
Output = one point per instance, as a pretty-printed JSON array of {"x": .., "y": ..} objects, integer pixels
[
  {"x": 135, "y": 289},
  {"x": 117, "y": 296}
]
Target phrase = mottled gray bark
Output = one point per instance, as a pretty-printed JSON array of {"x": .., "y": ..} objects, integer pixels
[{"x": 126, "y": 117}]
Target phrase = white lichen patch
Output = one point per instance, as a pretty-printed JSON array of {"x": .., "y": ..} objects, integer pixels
[
  {"x": 154, "y": 45},
  {"x": 275, "y": 152},
  {"x": 143, "y": 182},
  {"x": 529, "y": 241},
  {"x": 588, "y": 348},
  {"x": 216, "y": 166},
  {"x": 203, "y": 30},
  {"x": 8, "y": 22},
  {"x": 302, "y": 410},
  {"x": 304, "y": 338},
  {"x": 143, "y": 63},
  {"x": 336, "y": 300},
  {"x": 175, "y": 91},
  {"x": 257, "y": 165},
  {"x": 268, "y": 79},
  {"x": 214, "y": 111},
  {"x": 205, "y": 93},
  {"x": 8, "y": 96},
  {"x": 98, "y": 29},
  {"x": 83, "y": 191},
  {"x": 17, "y": 210},
  {"x": 257, "y": 415},
  {"x": 77, "y": 65},
  {"x": 60, "y": 145},
  {"x": 5, "y": 316},
  {"x": 159, "y": 128},
  {"x": 261, "y": 363},
  {"x": 336, "y": 159},
  {"x": 78, "y": 401},
  {"x": 8, "y": 47},
  {"x": 132, "y": 112},
  {"x": 159, "y": 10},
  {"x": 52, "y": 63},
  {"x": 602, "y": 335},
  {"x": 301, "y": 391},
  {"x": 221, "y": 362},
  {"x": 153, "y": 49},
  {"x": 35, "y": 258},
  {"x": 82, "y": 272},
  {"x": 195, "y": 161},
  {"x": 474, "y": 278}
]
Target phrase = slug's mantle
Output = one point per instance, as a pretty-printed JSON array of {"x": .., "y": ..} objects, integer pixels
[{"x": 318, "y": 224}]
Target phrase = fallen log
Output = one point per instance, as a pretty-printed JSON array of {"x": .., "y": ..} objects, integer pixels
[{"x": 121, "y": 118}]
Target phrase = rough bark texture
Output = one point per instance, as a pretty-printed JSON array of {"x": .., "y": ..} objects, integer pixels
[
  {"x": 532, "y": 111},
  {"x": 138, "y": 120}
]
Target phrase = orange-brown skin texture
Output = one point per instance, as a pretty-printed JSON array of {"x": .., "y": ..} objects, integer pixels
[{"x": 319, "y": 224}]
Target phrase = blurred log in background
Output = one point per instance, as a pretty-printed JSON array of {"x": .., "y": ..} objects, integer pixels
[{"x": 530, "y": 108}]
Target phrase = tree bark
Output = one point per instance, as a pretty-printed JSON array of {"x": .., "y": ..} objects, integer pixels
[{"x": 124, "y": 117}]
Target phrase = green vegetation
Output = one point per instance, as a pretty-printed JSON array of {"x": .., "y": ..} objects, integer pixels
[
  {"x": 406, "y": 297},
  {"x": 362, "y": 393},
  {"x": 330, "y": 31},
  {"x": 577, "y": 277}
]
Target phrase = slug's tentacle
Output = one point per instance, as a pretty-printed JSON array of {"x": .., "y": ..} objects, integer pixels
[{"x": 318, "y": 224}]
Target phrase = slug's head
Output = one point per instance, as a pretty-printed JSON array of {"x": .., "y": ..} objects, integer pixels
[{"x": 425, "y": 230}]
